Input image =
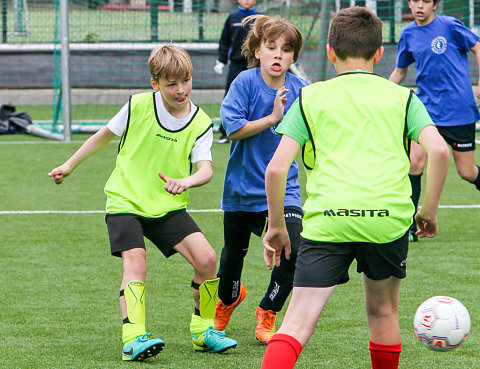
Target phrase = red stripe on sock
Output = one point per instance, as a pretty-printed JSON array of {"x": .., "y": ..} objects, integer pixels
[
  {"x": 282, "y": 352},
  {"x": 385, "y": 356}
]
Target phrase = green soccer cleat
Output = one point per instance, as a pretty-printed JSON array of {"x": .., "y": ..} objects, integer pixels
[
  {"x": 142, "y": 348},
  {"x": 212, "y": 340}
]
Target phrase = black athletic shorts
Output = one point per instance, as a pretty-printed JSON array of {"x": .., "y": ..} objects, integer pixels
[
  {"x": 460, "y": 138},
  {"x": 326, "y": 264},
  {"x": 126, "y": 231},
  {"x": 256, "y": 222}
]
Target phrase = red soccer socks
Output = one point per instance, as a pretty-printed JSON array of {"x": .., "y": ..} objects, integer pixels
[
  {"x": 282, "y": 352},
  {"x": 385, "y": 356}
]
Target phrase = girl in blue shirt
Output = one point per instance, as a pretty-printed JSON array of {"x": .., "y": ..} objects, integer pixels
[
  {"x": 438, "y": 45},
  {"x": 256, "y": 102}
]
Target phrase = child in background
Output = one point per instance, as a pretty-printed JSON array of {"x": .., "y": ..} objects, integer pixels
[
  {"x": 230, "y": 47},
  {"x": 254, "y": 105},
  {"x": 162, "y": 134},
  {"x": 439, "y": 45},
  {"x": 354, "y": 130}
]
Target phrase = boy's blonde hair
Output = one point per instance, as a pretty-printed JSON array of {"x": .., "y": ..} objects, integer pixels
[
  {"x": 170, "y": 62},
  {"x": 264, "y": 29}
]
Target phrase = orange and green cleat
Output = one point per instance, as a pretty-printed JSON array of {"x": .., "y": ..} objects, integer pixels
[{"x": 265, "y": 324}]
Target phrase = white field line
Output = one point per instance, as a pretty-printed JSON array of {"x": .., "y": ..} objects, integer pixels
[
  {"x": 49, "y": 142},
  {"x": 71, "y": 142},
  {"x": 34, "y": 212}
]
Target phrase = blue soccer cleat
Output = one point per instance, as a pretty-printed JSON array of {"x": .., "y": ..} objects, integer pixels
[
  {"x": 412, "y": 237},
  {"x": 142, "y": 348},
  {"x": 212, "y": 340}
]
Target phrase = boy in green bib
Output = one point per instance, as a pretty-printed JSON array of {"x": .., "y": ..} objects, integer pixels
[
  {"x": 355, "y": 131},
  {"x": 162, "y": 134}
]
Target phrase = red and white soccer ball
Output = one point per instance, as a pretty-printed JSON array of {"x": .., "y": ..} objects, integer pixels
[{"x": 441, "y": 323}]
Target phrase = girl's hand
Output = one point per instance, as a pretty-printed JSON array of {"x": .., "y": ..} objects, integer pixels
[{"x": 279, "y": 104}]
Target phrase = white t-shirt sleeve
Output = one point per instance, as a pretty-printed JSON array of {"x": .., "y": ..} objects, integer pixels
[
  {"x": 119, "y": 122},
  {"x": 202, "y": 148}
]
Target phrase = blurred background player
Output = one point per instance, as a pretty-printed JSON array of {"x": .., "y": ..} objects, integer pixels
[
  {"x": 354, "y": 130},
  {"x": 255, "y": 104},
  {"x": 230, "y": 47},
  {"x": 162, "y": 134},
  {"x": 439, "y": 45}
]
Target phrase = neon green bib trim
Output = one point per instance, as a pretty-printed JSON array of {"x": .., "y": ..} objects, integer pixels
[
  {"x": 356, "y": 160},
  {"x": 145, "y": 149}
]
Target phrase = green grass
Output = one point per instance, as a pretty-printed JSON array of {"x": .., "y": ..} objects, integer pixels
[
  {"x": 59, "y": 284},
  {"x": 93, "y": 112},
  {"x": 99, "y": 25}
]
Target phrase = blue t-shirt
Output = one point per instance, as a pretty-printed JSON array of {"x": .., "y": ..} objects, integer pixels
[
  {"x": 249, "y": 98},
  {"x": 439, "y": 51}
]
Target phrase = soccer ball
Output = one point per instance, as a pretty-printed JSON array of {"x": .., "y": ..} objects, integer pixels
[{"x": 441, "y": 323}]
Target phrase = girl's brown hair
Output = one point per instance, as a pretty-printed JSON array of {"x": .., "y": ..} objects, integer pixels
[{"x": 264, "y": 29}]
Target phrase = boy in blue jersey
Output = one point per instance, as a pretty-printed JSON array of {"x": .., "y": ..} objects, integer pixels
[
  {"x": 230, "y": 47},
  {"x": 253, "y": 107},
  {"x": 354, "y": 130},
  {"x": 439, "y": 45},
  {"x": 162, "y": 134}
]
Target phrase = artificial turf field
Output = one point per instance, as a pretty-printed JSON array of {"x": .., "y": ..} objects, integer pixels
[{"x": 59, "y": 284}]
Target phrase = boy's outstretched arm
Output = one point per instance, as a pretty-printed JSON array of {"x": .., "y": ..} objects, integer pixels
[
  {"x": 276, "y": 237},
  {"x": 203, "y": 175},
  {"x": 438, "y": 157},
  {"x": 398, "y": 75},
  {"x": 89, "y": 147},
  {"x": 476, "y": 51}
]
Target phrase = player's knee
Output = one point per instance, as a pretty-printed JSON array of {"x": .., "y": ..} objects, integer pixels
[
  {"x": 288, "y": 265},
  {"x": 134, "y": 263},
  {"x": 229, "y": 258},
  {"x": 140, "y": 267},
  {"x": 137, "y": 271},
  {"x": 417, "y": 166},
  {"x": 208, "y": 263},
  {"x": 211, "y": 261},
  {"x": 381, "y": 311},
  {"x": 467, "y": 174}
]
